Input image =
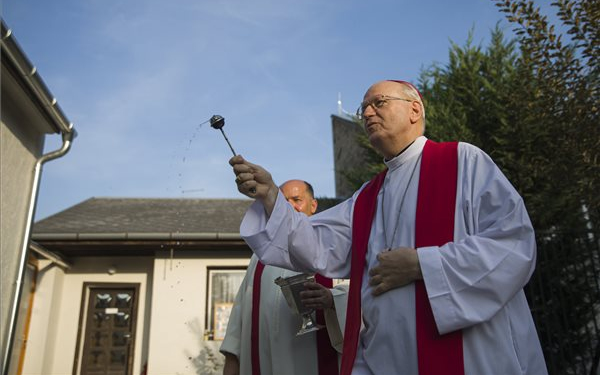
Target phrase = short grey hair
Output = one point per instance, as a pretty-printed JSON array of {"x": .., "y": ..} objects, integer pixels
[{"x": 411, "y": 91}]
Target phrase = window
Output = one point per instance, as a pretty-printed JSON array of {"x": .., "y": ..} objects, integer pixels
[{"x": 223, "y": 285}]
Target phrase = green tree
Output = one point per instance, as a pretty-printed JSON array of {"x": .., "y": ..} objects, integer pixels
[{"x": 560, "y": 86}]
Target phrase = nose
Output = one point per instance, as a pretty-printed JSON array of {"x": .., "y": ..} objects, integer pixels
[
  {"x": 294, "y": 204},
  {"x": 369, "y": 111}
]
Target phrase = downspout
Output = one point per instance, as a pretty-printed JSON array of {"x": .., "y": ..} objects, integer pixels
[{"x": 67, "y": 138}]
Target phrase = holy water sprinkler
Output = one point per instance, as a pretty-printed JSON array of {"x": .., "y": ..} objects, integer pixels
[{"x": 217, "y": 122}]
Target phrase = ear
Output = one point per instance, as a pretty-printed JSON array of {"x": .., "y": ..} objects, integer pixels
[
  {"x": 313, "y": 206},
  {"x": 416, "y": 111}
]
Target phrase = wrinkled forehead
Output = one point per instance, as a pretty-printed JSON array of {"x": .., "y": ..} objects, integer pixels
[
  {"x": 383, "y": 88},
  {"x": 293, "y": 188}
]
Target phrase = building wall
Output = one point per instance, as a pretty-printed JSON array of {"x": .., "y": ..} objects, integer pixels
[
  {"x": 346, "y": 152},
  {"x": 19, "y": 148},
  {"x": 46, "y": 308},
  {"x": 170, "y": 317},
  {"x": 24, "y": 123},
  {"x": 179, "y": 312},
  {"x": 57, "y": 307}
]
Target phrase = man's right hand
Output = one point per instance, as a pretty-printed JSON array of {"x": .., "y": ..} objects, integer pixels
[
  {"x": 255, "y": 182},
  {"x": 316, "y": 296}
]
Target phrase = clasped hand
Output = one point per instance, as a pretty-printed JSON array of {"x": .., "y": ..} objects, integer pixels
[
  {"x": 396, "y": 268},
  {"x": 316, "y": 296}
]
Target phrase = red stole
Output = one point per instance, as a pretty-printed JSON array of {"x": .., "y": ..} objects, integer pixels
[
  {"x": 254, "y": 332},
  {"x": 434, "y": 226},
  {"x": 326, "y": 355}
]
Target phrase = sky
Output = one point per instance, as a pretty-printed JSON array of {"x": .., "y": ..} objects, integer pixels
[{"x": 137, "y": 78}]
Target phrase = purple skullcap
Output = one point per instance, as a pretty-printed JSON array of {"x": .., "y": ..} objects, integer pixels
[{"x": 409, "y": 84}]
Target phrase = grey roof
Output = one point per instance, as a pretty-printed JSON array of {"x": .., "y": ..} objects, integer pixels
[{"x": 143, "y": 216}]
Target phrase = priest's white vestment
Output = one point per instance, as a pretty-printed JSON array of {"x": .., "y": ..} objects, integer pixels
[
  {"x": 474, "y": 284},
  {"x": 281, "y": 352}
]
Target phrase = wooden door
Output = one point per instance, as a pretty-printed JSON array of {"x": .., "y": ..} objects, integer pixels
[{"x": 109, "y": 336}]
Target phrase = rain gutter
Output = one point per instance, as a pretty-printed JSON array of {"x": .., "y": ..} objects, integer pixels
[{"x": 199, "y": 236}]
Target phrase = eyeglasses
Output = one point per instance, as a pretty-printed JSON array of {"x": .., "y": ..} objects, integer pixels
[{"x": 377, "y": 103}]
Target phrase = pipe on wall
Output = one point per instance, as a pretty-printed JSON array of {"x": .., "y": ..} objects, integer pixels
[{"x": 67, "y": 138}]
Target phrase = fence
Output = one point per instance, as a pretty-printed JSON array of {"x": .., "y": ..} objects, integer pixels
[{"x": 564, "y": 296}]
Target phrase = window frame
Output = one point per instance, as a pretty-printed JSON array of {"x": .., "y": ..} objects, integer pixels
[{"x": 210, "y": 321}]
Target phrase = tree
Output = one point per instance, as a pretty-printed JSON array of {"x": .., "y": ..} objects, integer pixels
[{"x": 561, "y": 87}]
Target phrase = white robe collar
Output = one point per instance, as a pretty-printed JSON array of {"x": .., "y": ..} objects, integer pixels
[{"x": 413, "y": 150}]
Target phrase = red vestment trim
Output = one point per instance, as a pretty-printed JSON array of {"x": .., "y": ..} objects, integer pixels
[
  {"x": 326, "y": 354},
  {"x": 364, "y": 212},
  {"x": 434, "y": 227},
  {"x": 254, "y": 332}
]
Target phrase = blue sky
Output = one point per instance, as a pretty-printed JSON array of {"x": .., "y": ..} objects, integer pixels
[{"x": 137, "y": 77}]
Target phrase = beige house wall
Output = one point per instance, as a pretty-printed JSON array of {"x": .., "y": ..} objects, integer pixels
[
  {"x": 46, "y": 308},
  {"x": 170, "y": 316},
  {"x": 57, "y": 309},
  {"x": 179, "y": 312}
]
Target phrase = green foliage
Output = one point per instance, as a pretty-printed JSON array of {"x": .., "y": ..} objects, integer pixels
[{"x": 559, "y": 95}]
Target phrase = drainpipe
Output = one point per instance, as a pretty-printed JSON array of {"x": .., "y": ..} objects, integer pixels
[{"x": 67, "y": 138}]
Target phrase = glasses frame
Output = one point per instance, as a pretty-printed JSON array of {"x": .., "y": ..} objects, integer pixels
[{"x": 377, "y": 103}]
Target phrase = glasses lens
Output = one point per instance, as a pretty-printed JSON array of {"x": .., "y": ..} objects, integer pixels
[
  {"x": 375, "y": 103},
  {"x": 359, "y": 112}
]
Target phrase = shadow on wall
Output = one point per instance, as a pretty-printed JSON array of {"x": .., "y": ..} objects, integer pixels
[{"x": 209, "y": 361}]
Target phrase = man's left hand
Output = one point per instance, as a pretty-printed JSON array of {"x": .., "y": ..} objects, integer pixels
[
  {"x": 396, "y": 268},
  {"x": 316, "y": 296}
]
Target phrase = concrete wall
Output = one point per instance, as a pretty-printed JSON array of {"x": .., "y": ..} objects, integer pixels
[
  {"x": 19, "y": 148},
  {"x": 347, "y": 153}
]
